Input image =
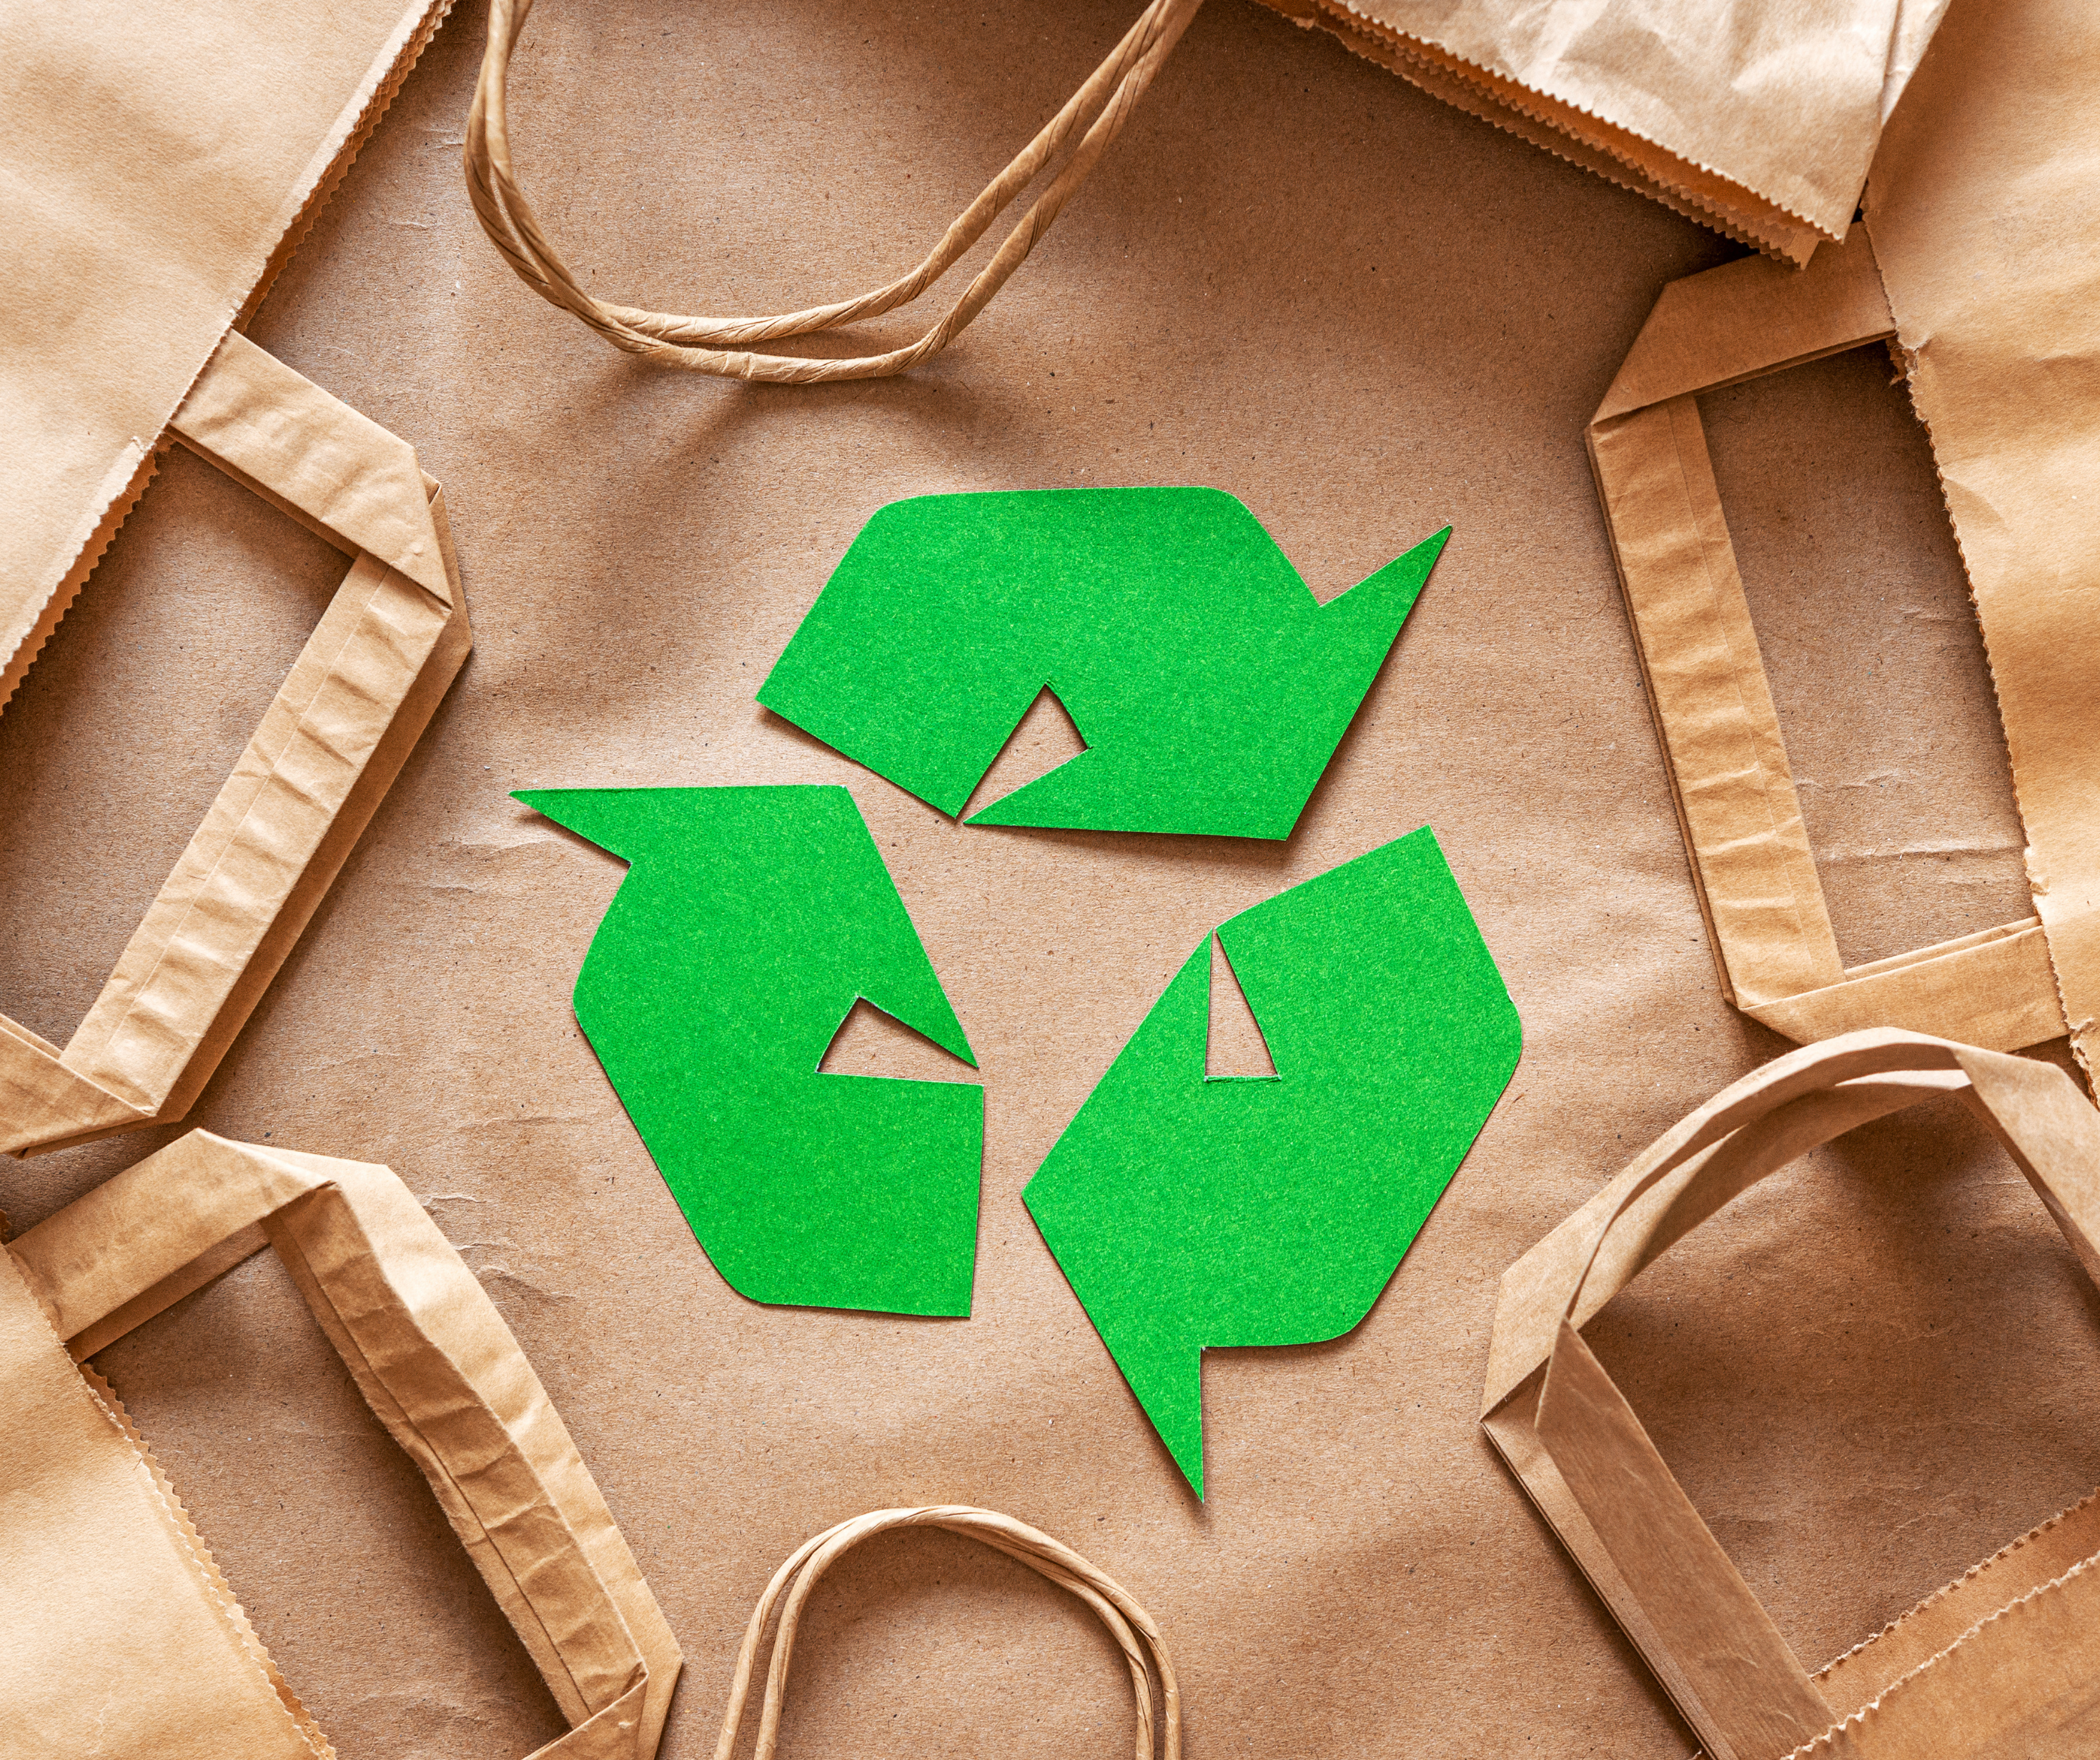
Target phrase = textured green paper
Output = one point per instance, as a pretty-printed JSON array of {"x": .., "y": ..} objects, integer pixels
[
  {"x": 1209, "y": 684},
  {"x": 1190, "y": 1212},
  {"x": 749, "y": 923}
]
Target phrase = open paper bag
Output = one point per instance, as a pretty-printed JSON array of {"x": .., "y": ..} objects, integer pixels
[
  {"x": 122, "y": 1636},
  {"x": 1978, "y": 262},
  {"x": 2003, "y": 1662},
  {"x": 1758, "y": 120},
  {"x": 161, "y": 165}
]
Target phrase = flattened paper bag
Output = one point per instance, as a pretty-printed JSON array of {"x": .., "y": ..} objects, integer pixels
[
  {"x": 123, "y": 1638},
  {"x": 1756, "y": 117},
  {"x": 2003, "y": 1662},
  {"x": 159, "y": 165}
]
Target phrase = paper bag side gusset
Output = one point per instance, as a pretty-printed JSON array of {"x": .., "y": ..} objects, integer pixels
[
  {"x": 1764, "y": 134},
  {"x": 1736, "y": 802},
  {"x": 1980, "y": 207},
  {"x": 2009, "y": 1648},
  {"x": 120, "y": 237},
  {"x": 329, "y": 746},
  {"x": 103, "y": 1550}
]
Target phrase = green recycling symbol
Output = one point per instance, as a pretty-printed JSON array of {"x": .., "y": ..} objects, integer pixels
[{"x": 1187, "y": 1211}]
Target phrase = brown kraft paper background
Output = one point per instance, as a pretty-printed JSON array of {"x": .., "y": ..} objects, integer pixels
[{"x": 1300, "y": 279}]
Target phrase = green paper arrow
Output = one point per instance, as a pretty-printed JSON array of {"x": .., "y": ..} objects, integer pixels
[
  {"x": 750, "y": 922},
  {"x": 1210, "y": 687},
  {"x": 1189, "y": 1211}
]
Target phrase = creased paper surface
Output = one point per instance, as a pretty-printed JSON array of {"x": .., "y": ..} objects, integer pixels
[
  {"x": 1980, "y": 208},
  {"x": 1305, "y": 282},
  {"x": 2014, "y": 436},
  {"x": 329, "y": 746}
]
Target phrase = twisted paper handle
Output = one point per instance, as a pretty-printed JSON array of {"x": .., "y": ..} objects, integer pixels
[
  {"x": 715, "y": 344},
  {"x": 1128, "y": 1623}
]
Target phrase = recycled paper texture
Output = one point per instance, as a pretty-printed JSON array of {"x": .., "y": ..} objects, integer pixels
[
  {"x": 1981, "y": 345},
  {"x": 124, "y": 1638},
  {"x": 1757, "y": 120},
  {"x": 1095, "y": 114},
  {"x": 2005, "y": 1661},
  {"x": 1305, "y": 283},
  {"x": 329, "y": 746},
  {"x": 119, "y": 230},
  {"x": 1980, "y": 209}
]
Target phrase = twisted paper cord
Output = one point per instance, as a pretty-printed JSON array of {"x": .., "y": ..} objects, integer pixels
[
  {"x": 1128, "y": 1623},
  {"x": 1102, "y": 106}
]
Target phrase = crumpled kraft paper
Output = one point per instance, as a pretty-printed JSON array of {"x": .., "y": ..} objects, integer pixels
[
  {"x": 124, "y": 1638},
  {"x": 1985, "y": 320},
  {"x": 1980, "y": 209},
  {"x": 160, "y": 167},
  {"x": 1759, "y": 119},
  {"x": 2005, "y": 1661}
]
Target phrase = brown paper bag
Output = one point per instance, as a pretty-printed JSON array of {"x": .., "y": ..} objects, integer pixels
[
  {"x": 1757, "y": 120},
  {"x": 163, "y": 163},
  {"x": 1994, "y": 134},
  {"x": 123, "y": 1636},
  {"x": 624, "y": 523},
  {"x": 2005, "y": 1661}
]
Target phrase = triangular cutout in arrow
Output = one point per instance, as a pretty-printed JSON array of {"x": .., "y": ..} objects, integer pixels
[
  {"x": 1238, "y": 1049},
  {"x": 1192, "y": 1214},
  {"x": 871, "y": 1041},
  {"x": 752, "y": 924},
  {"x": 1046, "y": 738}
]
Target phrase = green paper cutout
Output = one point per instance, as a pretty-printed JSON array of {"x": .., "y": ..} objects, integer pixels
[
  {"x": 1188, "y": 1212},
  {"x": 1209, "y": 685},
  {"x": 751, "y": 921}
]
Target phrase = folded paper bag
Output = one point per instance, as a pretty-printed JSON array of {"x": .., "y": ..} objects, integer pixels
[
  {"x": 123, "y": 1638},
  {"x": 328, "y": 749},
  {"x": 160, "y": 166},
  {"x": 1978, "y": 262},
  {"x": 2005, "y": 1662},
  {"x": 1758, "y": 119}
]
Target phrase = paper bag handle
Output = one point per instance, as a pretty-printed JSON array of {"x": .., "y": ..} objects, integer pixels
[
  {"x": 718, "y": 345},
  {"x": 1588, "y": 1462},
  {"x": 1753, "y": 872},
  {"x": 434, "y": 1360},
  {"x": 1128, "y": 1625},
  {"x": 328, "y": 747}
]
